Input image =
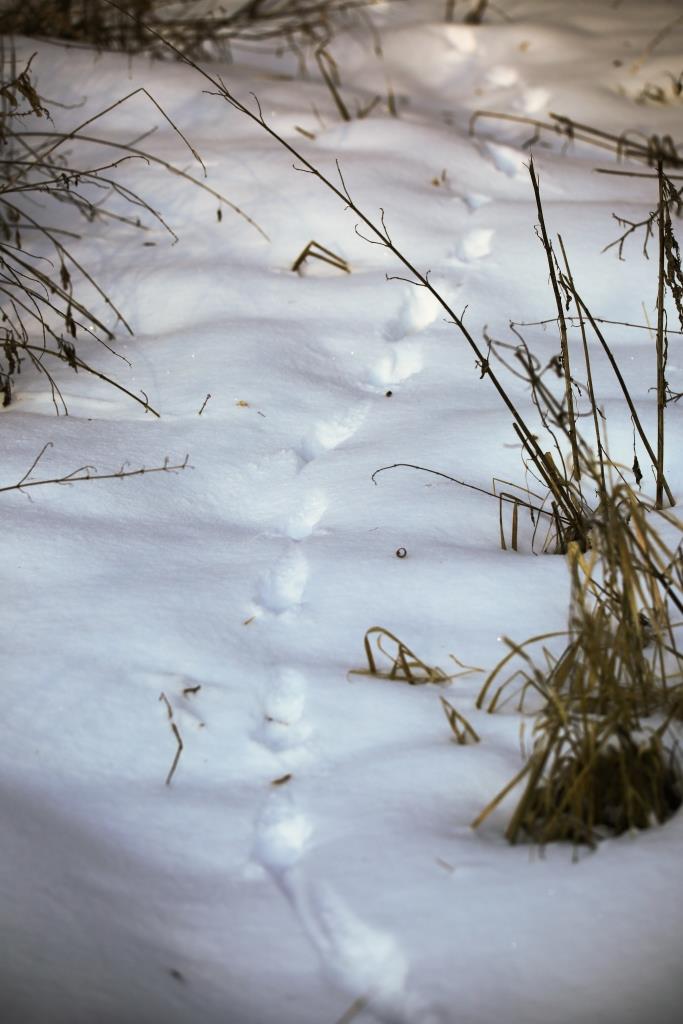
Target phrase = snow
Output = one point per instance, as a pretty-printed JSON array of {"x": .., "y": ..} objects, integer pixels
[{"x": 313, "y": 851}]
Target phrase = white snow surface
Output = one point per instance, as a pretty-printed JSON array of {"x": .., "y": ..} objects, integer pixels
[{"x": 241, "y": 588}]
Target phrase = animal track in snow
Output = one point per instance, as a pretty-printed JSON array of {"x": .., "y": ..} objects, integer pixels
[
  {"x": 183, "y": 694},
  {"x": 328, "y": 434},
  {"x": 502, "y": 76},
  {"x": 474, "y": 245},
  {"x": 507, "y": 160},
  {"x": 417, "y": 311},
  {"x": 355, "y": 954},
  {"x": 533, "y": 100},
  {"x": 474, "y": 200},
  {"x": 304, "y": 520},
  {"x": 461, "y": 38},
  {"x": 361, "y": 959},
  {"x": 281, "y": 835},
  {"x": 402, "y": 360},
  {"x": 284, "y": 726},
  {"x": 529, "y": 100},
  {"x": 282, "y": 586}
]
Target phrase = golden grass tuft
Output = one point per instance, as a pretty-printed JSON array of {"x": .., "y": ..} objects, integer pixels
[{"x": 605, "y": 757}]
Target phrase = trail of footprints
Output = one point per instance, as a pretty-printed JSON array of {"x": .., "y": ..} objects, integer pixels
[
  {"x": 281, "y": 589},
  {"x": 359, "y": 959},
  {"x": 529, "y": 101}
]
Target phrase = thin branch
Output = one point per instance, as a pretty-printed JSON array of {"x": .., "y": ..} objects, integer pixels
[
  {"x": 90, "y": 473},
  {"x": 510, "y": 499}
]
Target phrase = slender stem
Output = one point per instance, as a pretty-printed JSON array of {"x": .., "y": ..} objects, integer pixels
[
  {"x": 564, "y": 344},
  {"x": 661, "y": 357},
  {"x": 589, "y": 376},
  {"x": 86, "y": 473}
]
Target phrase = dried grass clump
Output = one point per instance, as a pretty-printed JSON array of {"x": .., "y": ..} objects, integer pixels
[
  {"x": 622, "y": 649},
  {"x": 200, "y": 29},
  {"x": 589, "y": 778},
  {"x": 403, "y": 664},
  {"x": 48, "y": 299},
  {"x": 605, "y": 758},
  {"x": 195, "y": 27},
  {"x": 81, "y": 21}
]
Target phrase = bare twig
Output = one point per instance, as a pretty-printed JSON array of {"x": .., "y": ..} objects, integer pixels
[
  {"x": 504, "y": 496},
  {"x": 660, "y": 338},
  {"x": 84, "y": 473},
  {"x": 178, "y": 738},
  {"x": 564, "y": 344}
]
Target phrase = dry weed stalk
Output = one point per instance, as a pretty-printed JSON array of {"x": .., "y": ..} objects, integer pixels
[
  {"x": 669, "y": 278},
  {"x": 628, "y": 145},
  {"x": 605, "y": 758},
  {"x": 571, "y": 505},
  {"x": 656, "y": 93},
  {"x": 591, "y": 778},
  {"x": 180, "y": 746},
  {"x": 475, "y": 14}
]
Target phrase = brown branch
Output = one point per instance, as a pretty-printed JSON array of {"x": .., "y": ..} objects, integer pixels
[{"x": 90, "y": 473}]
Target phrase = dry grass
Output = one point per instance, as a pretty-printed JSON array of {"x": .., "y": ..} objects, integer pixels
[
  {"x": 48, "y": 298},
  {"x": 605, "y": 757},
  {"x": 589, "y": 778},
  {"x": 460, "y": 727},
  {"x": 404, "y": 665},
  {"x": 196, "y": 28}
]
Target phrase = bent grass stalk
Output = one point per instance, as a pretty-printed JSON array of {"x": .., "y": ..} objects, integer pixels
[{"x": 404, "y": 664}]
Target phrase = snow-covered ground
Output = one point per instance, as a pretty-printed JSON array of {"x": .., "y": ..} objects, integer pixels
[{"x": 241, "y": 588}]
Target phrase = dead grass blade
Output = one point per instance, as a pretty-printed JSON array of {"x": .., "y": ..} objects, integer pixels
[
  {"x": 404, "y": 664},
  {"x": 460, "y": 727},
  {"x": 178, "y": 738},
  {"x": 314, "y": 250}
]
